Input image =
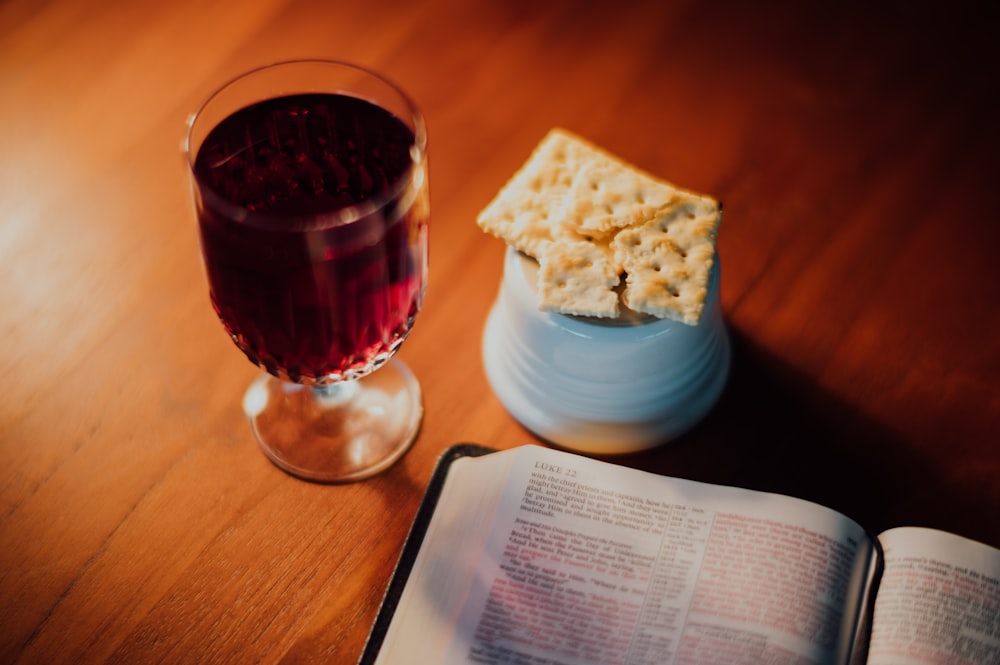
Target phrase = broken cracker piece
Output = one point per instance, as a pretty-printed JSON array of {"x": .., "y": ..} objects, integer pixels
[
  {"x": 578, "y": 278},
  {"x": 668, "y": 260}
]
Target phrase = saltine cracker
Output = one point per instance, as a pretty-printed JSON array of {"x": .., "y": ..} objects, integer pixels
[{"x": 589, "y": 217}]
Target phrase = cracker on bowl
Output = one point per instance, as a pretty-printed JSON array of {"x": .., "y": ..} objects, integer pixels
[
  {"x": 589, "y": 218},
  {"x": 578, "y": 277}
]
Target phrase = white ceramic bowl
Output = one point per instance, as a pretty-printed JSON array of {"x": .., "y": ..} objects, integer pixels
[{"x": 601, "y": 386}]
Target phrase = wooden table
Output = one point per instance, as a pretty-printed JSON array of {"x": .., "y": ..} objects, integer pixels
[{"x": 854, "y": 147}]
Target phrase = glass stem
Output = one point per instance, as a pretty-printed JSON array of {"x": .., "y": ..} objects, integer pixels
[{"x": 332, "y": 395}]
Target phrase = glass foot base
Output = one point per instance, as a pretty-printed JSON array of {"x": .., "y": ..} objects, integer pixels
[{"x": 338, "y": 433}]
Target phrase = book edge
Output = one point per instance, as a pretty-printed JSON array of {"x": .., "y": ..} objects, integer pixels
[{"x": 411, "y": 546}]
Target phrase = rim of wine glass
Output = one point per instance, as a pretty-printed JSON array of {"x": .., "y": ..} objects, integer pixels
[{"x": 341, "y": 216}]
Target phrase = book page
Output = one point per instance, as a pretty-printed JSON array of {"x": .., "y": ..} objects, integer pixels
[
  {"x": 585, "y": 562},
  {"x": 938, "y": 601}
]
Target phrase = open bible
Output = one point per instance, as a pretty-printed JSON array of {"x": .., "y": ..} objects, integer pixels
[{"x": 536, "y": 556}]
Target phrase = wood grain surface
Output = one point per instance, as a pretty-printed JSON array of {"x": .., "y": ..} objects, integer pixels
[{"x": 854, "y": 146}]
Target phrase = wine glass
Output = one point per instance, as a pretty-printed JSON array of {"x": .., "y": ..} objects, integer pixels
[{"x": 309, "y": 181}]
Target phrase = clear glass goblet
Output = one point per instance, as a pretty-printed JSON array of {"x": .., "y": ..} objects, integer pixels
[{"x": 309, "y": 182}]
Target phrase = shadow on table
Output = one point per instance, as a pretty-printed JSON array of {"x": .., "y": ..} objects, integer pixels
[{"x": 773, "y": 430}]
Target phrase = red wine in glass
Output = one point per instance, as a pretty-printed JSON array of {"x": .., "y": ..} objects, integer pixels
[
  {"x": 309, "y": 180},
  {"x": 303, "y": 293}
]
